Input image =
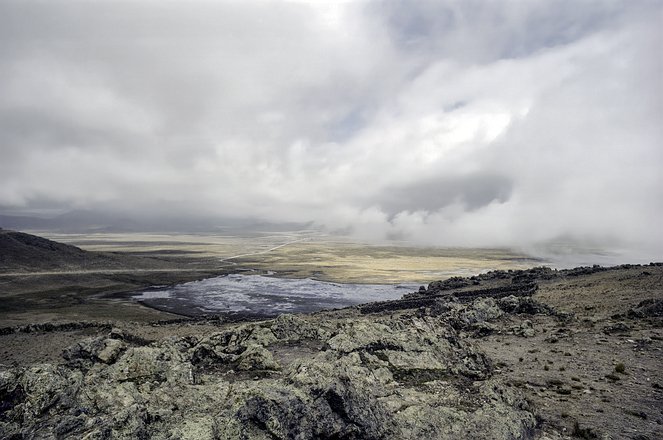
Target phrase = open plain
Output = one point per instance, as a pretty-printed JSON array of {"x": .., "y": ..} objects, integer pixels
[
  {"x": 79, "y": 290},
  {"x": 506, "y": 354}
]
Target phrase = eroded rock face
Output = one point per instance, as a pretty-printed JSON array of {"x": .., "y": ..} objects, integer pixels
[{"x": 329, "y": 375}]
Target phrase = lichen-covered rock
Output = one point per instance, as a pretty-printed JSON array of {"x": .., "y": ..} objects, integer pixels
[
  {"x": 47, "y": 386},
  {"x": 481, "y": 310},
  {"x": 524, "y": 305},
  {"x": 525, "y": 329},
  {"x": 196, "y": 428},
  {"x": 293, "y": 328},
  {"x": 256, "y": 357},
  {"x": 99, "y": 349},
  {"x": 149, "y": 364},
  {"x": 480, "y": 414},
  {"x": 474, "y": 317},
  {"x": 361, "y": 377}
]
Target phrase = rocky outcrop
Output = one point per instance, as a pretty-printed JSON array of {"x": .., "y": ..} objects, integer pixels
[
  {"x": 434, "y": 297},
  {"x": 53, "y": 327},
  {"x": 340, "y": 375},
  {"x": 648, "y": 308},
  {"x": 524, "y": 305}
]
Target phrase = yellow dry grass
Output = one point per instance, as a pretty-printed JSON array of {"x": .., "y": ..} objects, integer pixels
[{"x": 306, "y": 254}]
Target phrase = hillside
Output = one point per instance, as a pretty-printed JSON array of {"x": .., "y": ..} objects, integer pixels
[
  {"x": 43, "y": 280},
  {"x": 20, "y": 251},
  {"x": 532, "y": 354},
  {"x": 27, "y": 253}
]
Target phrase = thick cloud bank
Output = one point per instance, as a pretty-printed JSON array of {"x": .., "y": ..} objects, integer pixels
[{"x": 448, "y": 123}]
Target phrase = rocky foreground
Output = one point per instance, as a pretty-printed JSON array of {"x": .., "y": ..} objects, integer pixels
[{"x": 505, "y": 355}]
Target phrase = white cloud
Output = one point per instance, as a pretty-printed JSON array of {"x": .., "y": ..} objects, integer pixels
[{"x": 443, "y": 123}]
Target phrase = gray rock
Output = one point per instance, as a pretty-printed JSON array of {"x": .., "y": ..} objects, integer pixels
[
  {"x": 524, "y": 305},
  {"x": 256, "y": 357},
  {"x": 378, "y": 377},
  {"x": 525, "y": 329},
  {"x": 648, "y": 308},
  {"x": 99, "y": 349}
]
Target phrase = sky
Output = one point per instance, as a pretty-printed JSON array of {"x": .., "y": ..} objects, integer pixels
[{"x": 446, "y": 123}]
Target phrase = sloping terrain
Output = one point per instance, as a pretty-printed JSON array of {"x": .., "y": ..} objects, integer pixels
[
  {"x": 340, "y": 375},
  {"x": 20, "y": 251},
  {"x": 535, "y": 354},
  {"x": 42, "y": 280}
]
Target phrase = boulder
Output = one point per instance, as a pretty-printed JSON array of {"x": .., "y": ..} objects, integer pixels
[{"x": 91, "y": 350}]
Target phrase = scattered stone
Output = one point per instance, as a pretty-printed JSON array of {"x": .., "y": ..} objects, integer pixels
[
  {"x": 524, "y": 329},
  {"x": 617, "y": 328},
  {"x": 648, "y": 308}
]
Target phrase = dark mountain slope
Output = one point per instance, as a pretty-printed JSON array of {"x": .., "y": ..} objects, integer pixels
[
  {"x": 25, "y": 252},
  {"x": 19, "y": 250}
]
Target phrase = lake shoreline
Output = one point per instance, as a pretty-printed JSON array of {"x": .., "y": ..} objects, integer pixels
[{"x": 257, "y": 295}]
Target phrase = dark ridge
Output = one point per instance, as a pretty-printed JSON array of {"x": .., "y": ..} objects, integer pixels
[
  {"x": 417, "y": 300},
  {"x": 19, "y": 250},
  {"x": 525, "y": 276},
  {"x": 26, "y": 252},
  {"x": 497, "y": 292},
  {"x": 400, "y": 304},
  {"x": 523, "y": 284},
  {"x": 52, "y": 327}
]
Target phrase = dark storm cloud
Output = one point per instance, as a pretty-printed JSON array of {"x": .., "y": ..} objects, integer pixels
[
  {"x": 457, "y": 123},
  {"x": 430, "y": 195}
]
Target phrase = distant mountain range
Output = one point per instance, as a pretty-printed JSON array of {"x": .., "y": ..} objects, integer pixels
[{"x": 92, "y": 221}]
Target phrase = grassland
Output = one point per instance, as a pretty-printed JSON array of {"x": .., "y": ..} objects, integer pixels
[
  {"x": 138, "y": 261},
  {"x": 359, "y": 263},
  {"x": 308, "y": 254}
]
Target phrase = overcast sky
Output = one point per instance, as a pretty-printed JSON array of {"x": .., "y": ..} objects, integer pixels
[{"x": 478, "y": 123}]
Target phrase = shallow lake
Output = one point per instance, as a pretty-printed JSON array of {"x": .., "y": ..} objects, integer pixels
[{"x": 264, "y": 295}]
